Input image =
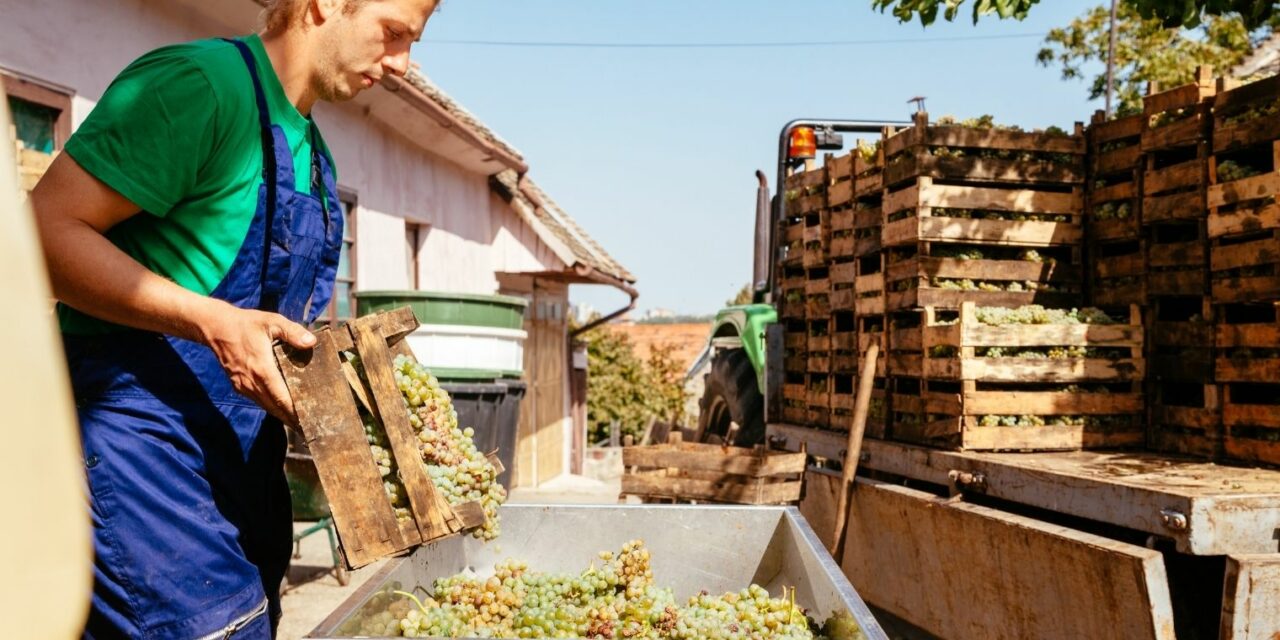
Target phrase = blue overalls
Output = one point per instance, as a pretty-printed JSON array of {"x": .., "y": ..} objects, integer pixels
[{"x": 191, "y": 513}]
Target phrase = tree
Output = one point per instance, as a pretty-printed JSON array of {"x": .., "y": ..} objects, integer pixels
[
  {"x": 1171, "y": 13},
  {"x": 744, "y": 296},
  {"x": 625, "y": 389},
  {"x": 1146, "y": 51}
]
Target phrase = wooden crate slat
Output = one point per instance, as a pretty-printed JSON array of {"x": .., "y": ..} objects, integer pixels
[
  {"x": 393, "y": 325},
  {"x": 700, "y": 457},
  {"x": 1223, "y": 223},
  {"x": 1024, "y": 369},
  {"x": 1026, "y": 233},
  {"x": 925, "y": 193},
  {"x": 372, "y": 347},
  {"x": 1260, "y": 186},
  {"x": 694, "y": 489}
]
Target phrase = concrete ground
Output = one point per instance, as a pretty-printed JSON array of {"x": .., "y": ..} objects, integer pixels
[{"x": 312, "y": 591}]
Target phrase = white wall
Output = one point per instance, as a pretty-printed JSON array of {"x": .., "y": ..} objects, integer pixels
[{"x": 82, "y": 44}]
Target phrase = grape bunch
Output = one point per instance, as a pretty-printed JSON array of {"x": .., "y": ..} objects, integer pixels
[
  {"x": 616, "y": 599},
  {"x": 1037, "y": 314},
  {"x": 456, "y": 467}
]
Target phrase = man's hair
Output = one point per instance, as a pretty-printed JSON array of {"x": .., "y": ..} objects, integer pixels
[{"x": 281, "y": 14}]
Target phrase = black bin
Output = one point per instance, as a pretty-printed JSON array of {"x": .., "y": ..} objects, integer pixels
[{"x": 492, "y": 409}]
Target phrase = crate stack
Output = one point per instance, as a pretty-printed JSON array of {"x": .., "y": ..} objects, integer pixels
[
  {"x": 1244, "y": 260},
  {"x": 857, "y": 279},
  {"x": 1117, "y": 259},
  {"x": 980, "y": 391},
  {"x": 972, "y": 215},
  {"x": 806, "y": 308},
  {"x": 1184, "y": 407},
  {"x": 793, "y": 307}
]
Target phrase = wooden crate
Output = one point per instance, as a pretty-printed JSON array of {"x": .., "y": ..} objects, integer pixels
[
  {"x": 793, "y": 283},
  {"x": 818, "y": 399},
  {"x": 806, "y": 191},
  {"x": 986, "y": 155},
  {"x": 1113, "y": 193},
  {"x": 1246, "y": 268},
  {"x": 839, "y": 180},
  {"x": 795, "y": 341},
  {"x": 1248, "y": 344},
  {"x": 1251, "y": 421},
  {"x": 1179, "y": 117},
  {"x": 1117, "y": 273},
  {"x": 925, "y": 211},
  {"x": 1245, "y": 115},
  {"x": 842, "y": 277},
  {"x": 843, "y": 398},
  {"x": 1180, "y": 339},
  {"x": 1175, "y": 187},
  {"x": 959, "y": 386},
  {"x": 841, "y": 246},
  {"x": 816, "y": 238},
  {"x": 794, "y": 407},
  {"x": 327, "y": 392},
  {"x": 817, "y": 294},
  {"x": 791, "y": 239},
  {"x": 686, "y": 471},
  {"x": 868, "y": 174},
  {"x": 869, "y": 285},
  {"x": 916, "y": 278},
  {"x": 1177, "y": 259},
  {"x": 32, "y": 166},
  {"x": 1186, "y": 418},
  {"x": 818, "y": 346},
  {"x": 903, "y": 343},
  {"x": 844, "y": 342}
]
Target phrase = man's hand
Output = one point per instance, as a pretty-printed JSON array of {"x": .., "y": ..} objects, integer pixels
[{"x": 242, "y": 340}]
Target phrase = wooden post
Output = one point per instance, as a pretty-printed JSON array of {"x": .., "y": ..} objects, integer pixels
[{"x": 854, "y": 448}]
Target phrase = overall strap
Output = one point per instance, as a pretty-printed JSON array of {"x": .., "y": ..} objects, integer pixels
[{"x": 269, "y": 169}]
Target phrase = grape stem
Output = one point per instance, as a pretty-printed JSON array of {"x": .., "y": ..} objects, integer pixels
[{"x": 415, "y": 600}]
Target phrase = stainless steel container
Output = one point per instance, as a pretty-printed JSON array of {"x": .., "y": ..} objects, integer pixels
[{"x": 716, "y": 548}]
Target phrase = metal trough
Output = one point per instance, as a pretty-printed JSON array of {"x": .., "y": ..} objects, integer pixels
[{"x": 716, "y": 548}]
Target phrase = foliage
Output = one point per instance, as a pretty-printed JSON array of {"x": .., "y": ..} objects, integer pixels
[
  {"x": 743, "y": 296},
  {"x": 1146, "y": 51},
  {"x": 625, "y": 389},
  {"x": 1169, "y": 13}
]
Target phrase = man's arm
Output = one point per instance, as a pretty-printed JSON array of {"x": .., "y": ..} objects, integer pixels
[{"x": 73, "y": 212}]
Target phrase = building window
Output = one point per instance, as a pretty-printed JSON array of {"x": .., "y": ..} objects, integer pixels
[
  {"x": 41, "y": 116},
  {"x": 415, "y": 234},
  {"x": 343, "y": 305}
]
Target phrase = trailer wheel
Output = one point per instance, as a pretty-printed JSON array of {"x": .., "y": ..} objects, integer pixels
[{"x": 732, "y": 395}]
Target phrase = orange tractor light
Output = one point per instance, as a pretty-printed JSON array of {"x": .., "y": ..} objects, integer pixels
[{"x": 803, "y": 144}]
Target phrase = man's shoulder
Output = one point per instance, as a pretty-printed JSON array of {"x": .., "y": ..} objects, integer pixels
[{"x": 213, "y": 61}]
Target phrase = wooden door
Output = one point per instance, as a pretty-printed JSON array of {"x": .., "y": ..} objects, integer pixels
[{"x": 544, "y": 410}]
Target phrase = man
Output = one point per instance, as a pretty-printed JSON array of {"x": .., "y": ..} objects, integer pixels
[{"x": 192, "y": 220}]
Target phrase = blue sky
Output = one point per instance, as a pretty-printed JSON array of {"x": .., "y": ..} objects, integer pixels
[{"x": 653, "y": 150}]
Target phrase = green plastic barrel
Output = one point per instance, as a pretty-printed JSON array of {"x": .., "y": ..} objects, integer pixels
[{"x": 433, "y": 307}]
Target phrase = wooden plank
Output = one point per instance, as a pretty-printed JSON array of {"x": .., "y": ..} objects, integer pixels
[
  {"x": 1050, "y": 403},
  {"x": 1244, "y": 221},
  {"x": 709, "y": 457},
  {"x": 1188, "y": 205},
  {"x": 1261, "y": 186},
  {"x": 1227, "y": 509},
  {"x": 1190, "y": 130},
  {"x": 1015, "y": 270},
  {"x": 1187, "y": 95},
  {"x": 975, "y": 138},
  {"x": 361, "y": 511},
  {"x": 978, "y": 169},
  {"x": 1246, "y": 254},
  {"x": 392, "y": 325},
  {"x": 1119, "y": 160},
  {"x": 1251, "y": 598},
  {"x": 1241, "y": 134},
  {"x": 1000, "y": 232},
  {"x": 1177, "y": 254},
  {"x": 1045, "y": 371},
  {"x": 1121, "y": 191},
  {"x": 1116, "y": 129},
  {"x": 1091, "y": 335},
  {"x": 694, "y": 489},
  {"x": 927, "y": 194},
  {"x": 1178, "y": 176},
  {"x": 433, "y": 516},
  {"x": 976, "y": 572}
]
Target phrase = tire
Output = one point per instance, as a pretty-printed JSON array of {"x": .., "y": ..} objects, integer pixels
[{"x": 731, "y": 394}]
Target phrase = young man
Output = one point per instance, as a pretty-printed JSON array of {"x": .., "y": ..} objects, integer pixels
[{"x": 192, "y": 220}]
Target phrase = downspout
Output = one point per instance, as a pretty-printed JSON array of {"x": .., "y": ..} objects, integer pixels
[{"x": 592, "y": 274}]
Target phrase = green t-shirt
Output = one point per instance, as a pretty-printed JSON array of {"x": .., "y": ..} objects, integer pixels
[{"x": 177, "y": 134}]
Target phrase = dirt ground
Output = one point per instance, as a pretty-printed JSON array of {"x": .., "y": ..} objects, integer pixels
[{"x": 312, "y": 591}]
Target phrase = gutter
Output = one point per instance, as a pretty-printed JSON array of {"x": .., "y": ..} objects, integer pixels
[
  {"x": 432, "y": 109},
  {"x": 597, "y": 276}
]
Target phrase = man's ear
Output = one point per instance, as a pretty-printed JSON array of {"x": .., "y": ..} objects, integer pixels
[{"x": 323, "y": 10}]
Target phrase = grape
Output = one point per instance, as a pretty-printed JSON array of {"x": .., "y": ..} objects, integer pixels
[{"x": 615, "y": 597}]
